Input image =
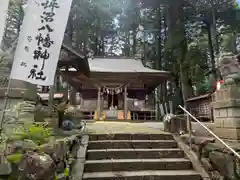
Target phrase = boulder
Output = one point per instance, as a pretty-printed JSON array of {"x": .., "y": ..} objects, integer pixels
[
  {"x": 60, "y": 151},
  {"x": 21, "y": 146},
  {"x": 36, "y": 166},
  {"x": 224, "y": 163},
  {"x": 5, "y": 169},
  {"x": 26, "y": 161},
  {"x": 197, "y": 140}
]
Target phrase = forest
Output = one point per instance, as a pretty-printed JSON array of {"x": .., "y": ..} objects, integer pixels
[{"x": 185, "y": 37}]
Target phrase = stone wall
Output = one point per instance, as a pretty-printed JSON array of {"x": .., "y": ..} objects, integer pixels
[
  {"x": 227, "y": 113},
  {"x": 227, "y": 123},
  {"x": 217, "y": 160}
]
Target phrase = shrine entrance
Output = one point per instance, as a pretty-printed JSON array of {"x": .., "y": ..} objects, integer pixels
[
  {"x": 113, "y": 101},
  {"x": 113, "y": 96}
]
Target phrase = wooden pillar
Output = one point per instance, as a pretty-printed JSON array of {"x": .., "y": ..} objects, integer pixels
[
  {"x": 66, "y": 86},
  {"x": 57, "y": 83},
  {"x": 52, "y": 90},
  {"x": 156, "y": 104},
  {"x": 125, "y": 103},
  {"x": 73, "y": 97},
  {"x": 50, "y": 99},
  {"x": 99, "y": 103},
  {"x": 102, "y": 102}
]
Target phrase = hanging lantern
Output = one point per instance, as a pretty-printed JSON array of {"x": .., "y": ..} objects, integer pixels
[{"x": 136, "y": 103}]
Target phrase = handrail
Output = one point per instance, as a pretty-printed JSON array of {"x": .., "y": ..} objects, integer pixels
[{"x": 206, "y": 128}]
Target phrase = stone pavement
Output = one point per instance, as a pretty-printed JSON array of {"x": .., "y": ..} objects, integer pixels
[
  {"x": 108, "y": 127},
  {"x": 103, "y": 127}
]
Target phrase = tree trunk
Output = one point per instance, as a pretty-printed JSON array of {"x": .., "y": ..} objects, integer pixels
[
  {"x": 102, "y": 49},
  {"x": 134, "y": 47},
  {"x": 127, "y": 43},
  {"x": 178, "y": 41},
  {"x": 234, "y": 45},
  {"x": 211, "y": 49}
]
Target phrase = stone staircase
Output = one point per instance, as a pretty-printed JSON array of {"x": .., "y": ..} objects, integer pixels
[{"x": 136, "y": 157}]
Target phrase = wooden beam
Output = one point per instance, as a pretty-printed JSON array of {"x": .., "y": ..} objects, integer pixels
[
  {"x": 134, "y": 79},
  {"x": 73, "y": 73},
  {"x": 72, "y": 50},
  {"x": 67, "y": 59}
]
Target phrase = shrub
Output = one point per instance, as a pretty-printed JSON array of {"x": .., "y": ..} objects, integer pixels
[{"x": 38, "y": 133}]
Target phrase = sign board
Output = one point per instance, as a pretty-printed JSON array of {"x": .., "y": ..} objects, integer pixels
[{"x": 40, "y": 41}]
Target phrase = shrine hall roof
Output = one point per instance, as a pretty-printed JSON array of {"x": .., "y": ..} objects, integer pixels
[{"x": 118, "y": 65}]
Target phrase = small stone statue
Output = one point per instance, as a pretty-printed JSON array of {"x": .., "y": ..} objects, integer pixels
[{"x": 67, "y": 125}]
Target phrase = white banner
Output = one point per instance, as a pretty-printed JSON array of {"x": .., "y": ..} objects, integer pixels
[
  {"x": 3, "y": 15},
  {"x": 40, "y": 41}
]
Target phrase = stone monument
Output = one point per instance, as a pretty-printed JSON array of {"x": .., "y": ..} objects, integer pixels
[
  {"x": 19, "y": 90},
  {"x": 226, "y": 101}
]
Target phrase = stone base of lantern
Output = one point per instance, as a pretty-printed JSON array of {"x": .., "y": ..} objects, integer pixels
[
  {"x": 227, "y": 113},
  {"x": 228, "y": 133}
]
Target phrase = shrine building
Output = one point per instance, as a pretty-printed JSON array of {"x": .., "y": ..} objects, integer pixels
[{"x": 112, "y": 88}]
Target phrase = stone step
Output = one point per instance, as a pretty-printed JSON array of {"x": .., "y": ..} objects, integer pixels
[
  {"x": 100, "y": 154},
  {"x": 137, "y": 164},
  {"x": 143, "y": 175},
  {"x": 96, "y": 137},
  {"x": 132, "y": 144}
]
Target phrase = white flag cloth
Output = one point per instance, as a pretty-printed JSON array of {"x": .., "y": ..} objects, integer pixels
[
  {"x": 3, "y": 15},
  {"x": 40, "y": 41}
]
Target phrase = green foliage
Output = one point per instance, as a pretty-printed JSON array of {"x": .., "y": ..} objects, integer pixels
[
  {"x": 66, "y": 172},
  {"x": 15, "y": 158},
  {"x": 37, "y": 133},
  {"x": 203, "y": 88}
]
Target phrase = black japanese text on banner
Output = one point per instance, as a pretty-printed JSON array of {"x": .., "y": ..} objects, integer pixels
[{"x": 40, "y": 41}]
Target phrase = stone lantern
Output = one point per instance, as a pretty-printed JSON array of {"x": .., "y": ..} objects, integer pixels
[{"x": 226, "y": 103}]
